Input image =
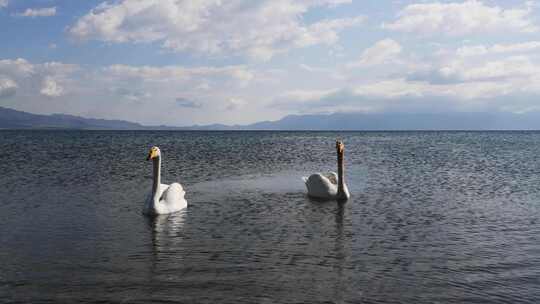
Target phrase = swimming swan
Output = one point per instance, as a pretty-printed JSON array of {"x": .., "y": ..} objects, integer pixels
[
  {"x": 164, "y": 198},
  {"x": 329, "y": 185}
]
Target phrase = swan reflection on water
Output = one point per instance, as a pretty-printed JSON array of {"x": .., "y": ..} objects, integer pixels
[
  {"x": 167, "y": 230},
  {"x": 341, "y": 254},
  {"x": 252, "y": 239}
]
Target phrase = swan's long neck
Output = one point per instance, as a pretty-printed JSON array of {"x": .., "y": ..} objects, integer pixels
[
  {"x": 341, "y": 175},
  {"x": 156, "y": 177}
]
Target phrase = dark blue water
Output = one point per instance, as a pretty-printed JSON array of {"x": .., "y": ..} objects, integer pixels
[{"x": 435, "y": 217}]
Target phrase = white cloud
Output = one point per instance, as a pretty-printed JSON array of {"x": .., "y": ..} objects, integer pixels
[
  {"x": 46, "y": 79},
  {"x": 259, "y": 29},
  {"x": 383, "y": 51},
  {"x": 58, "y": 68},
  {"x": 50, "y": 88},
  {"x": 325, "y": 31},
  {"x": 173, "y": 91},
  {"x": 468, "y": 17},
  {"x": 179, "y": 95},
  {"x": 328, "y": 72},
  {"x": 400, "y": 94},
  {"x": 402, "y": 88},
  {"x": 3, "y": 3},
  {"x": 38, "y": 12},
  {"x": 515, "y": 66},
  {"x": 154, "y": 95},
  {"x": 20, "y": 67},
  {"x": 239, "y": 73},
  {"x": 451, "y": 79},
  {"x": 478, "y": 50},
  {"x": 235, "y": 103},
  {"x": 129, "y": 94},
  {"x": 306, "y": 95},
  {"x": 334, "y": 3},
  {"x": 8, "y": 87}
]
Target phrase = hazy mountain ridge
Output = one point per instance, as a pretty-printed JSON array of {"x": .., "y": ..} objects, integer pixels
[
  {"x": 403, "y": 121},
  {"x": 13, "y": 119}
]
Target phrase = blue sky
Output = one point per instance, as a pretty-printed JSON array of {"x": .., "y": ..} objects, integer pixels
[{"x": 198, "y": 62}]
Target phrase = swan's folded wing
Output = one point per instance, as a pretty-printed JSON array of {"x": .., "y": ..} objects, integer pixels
[
  {"x": 174, "y": 193},
  {"x": 332, "y": 177},
  {"x": 319, "y": 177},
  {"x": 320, "y": 186}
]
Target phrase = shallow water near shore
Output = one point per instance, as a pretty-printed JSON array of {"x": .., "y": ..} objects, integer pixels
[{"x": 435, "y": 217}]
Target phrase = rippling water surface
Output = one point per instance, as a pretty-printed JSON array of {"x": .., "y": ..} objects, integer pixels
[{"x": 435, "y": 217}]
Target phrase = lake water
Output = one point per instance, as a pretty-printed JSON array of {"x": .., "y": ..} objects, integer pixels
[{"x": 435, "y": 217}]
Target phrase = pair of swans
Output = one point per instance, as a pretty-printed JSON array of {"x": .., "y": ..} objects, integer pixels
[{"x": 165, "y": 199}]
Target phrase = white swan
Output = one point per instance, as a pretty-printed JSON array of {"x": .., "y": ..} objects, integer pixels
[
  {"x": 329, "y": 185},
  {"x": 164, "y": 198}
]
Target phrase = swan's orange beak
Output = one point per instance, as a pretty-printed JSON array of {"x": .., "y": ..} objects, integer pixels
[{"x": 152, "y": 154}]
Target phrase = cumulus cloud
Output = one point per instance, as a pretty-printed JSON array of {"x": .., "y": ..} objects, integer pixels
[
  {"x": 451, "y": 80},
  {"x": 475, "y": 78},
  {"x": 38, "y": 12},
  {"x": 19, "y": 67},
  {"x": 258, "y": 29},
  {"x": 509, "y": 64},
  {"x": 50, "y": 88},
  {"x": 468, "y": 17},
  {"x": 22, "y": 68},
  {"x": 45, "y": 79},
  {"x": 3, "y": 3},
  {"x": 440, "y": 80},
  {"x": 383, "y": 51},
  {"x": 148, "y": 94},
  {"x": 8, "y": 87}
]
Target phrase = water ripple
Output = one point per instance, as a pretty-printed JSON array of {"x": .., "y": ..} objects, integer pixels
[{"x": 435, "y": 217}]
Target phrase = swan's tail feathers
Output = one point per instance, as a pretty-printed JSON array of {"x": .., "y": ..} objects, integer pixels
[{"x": 178, "y": 186}]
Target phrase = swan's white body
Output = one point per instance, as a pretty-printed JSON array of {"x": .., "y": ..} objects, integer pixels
[
  {"x": 324, "y": 186},
  {"x": 163, "y": 199},
  {"x": 329, "y": 186}
]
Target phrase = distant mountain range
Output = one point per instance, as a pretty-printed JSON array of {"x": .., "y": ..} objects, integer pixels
[{"x": 13, "y": 119}]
